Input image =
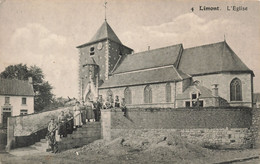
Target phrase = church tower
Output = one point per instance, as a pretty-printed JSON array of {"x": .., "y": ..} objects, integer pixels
[{"x": 98, "y": 59}]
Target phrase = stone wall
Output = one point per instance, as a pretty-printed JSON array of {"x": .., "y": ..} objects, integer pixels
[
  {"x": 255, "y": 129},
  {"x": 211, "y": 127},
  {"x": 27, "y": 124},
  {"x": 22, "y": 129},
  {"x": 168, "y": 118},
  {"x": 158, "y": 94},
  {"x": 224, "y": 80}
]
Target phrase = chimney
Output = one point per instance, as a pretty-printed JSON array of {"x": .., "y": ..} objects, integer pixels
[
  {"x": 148, "y": 48},
  {"x": 30, "y": 80},
  {"x": 215, "y": 90}
]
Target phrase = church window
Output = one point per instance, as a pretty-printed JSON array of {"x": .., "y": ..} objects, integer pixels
[
  {"x": 128, "y": 96},
  {"x": 92, "y": 50},
  {"x": 168, "y": 92},
  {"x": 147, "y": 94},
  {"x": 109, "y": 93},
  {"x": 235, "y": 90}
]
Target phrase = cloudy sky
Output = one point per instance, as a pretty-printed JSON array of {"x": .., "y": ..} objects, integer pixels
[{"x": 46, "y": 32}]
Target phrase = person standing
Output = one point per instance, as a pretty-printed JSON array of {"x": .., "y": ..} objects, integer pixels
[
  {"x": 51, "y": 135},
  {"x": 117, "y": 104},
  {"x": 89, "y": 110},
  {"x": 62, "y": 125},
  {"x": 97, "y": 112},
  {"x": 83, "y": 113},
  {"x": 123, "y": 107},
  {"x": 69, "y": 124},
  {"x": 77, "y": 115}
]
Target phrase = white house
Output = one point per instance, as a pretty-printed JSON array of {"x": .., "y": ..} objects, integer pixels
[{"x": 16, "y": 98}]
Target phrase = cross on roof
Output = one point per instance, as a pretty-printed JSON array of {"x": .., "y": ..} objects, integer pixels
[{"x": 105, "y": 6}]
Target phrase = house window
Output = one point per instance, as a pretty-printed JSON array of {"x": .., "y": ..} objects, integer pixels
[
  {"x": 92, "y": 50},
  {"x": 147, "y": 95},
  {"x": 23, "y": 112},
  {"x": 168, "y": 92},
  {"x": 193, "y": 96},
  {"x": 128, "y": 96},
  {"x": 187, "y": 103},
  {"x": 235, "y": 90},
  {"x": 197, "y": 103},
  {"x": 7, "y": 100},
  {"x": 24, "y": 101}
]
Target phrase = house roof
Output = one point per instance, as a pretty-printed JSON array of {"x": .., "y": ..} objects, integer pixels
[
  {"x": 104, "y": 32},
  {"x": 211, "y": 58},
  {"x": 149, "y": 76},
  {"x": 15, "y": 87},
  {"x": 150, "y": 59},
  {"x": 204, "y": 92}
]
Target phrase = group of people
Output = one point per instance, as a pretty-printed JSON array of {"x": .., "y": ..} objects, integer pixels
[
  {"x": 88, "y": 111},
  {"x": 63, "y": 127}
]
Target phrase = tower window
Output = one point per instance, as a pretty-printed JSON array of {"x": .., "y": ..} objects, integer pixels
[{"x": 92, "y": 50}]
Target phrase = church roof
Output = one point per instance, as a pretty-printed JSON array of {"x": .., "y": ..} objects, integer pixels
[
  {"x": 104, "y": 32},
  {"x": 204, "y": 92},
  {"x": 211, "y": 58},
  {"x": 150, "y": 59},
  {"x": 15, "y": 87},
  {"x": 149, "y": 76}
]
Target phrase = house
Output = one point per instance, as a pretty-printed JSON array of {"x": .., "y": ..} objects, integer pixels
[
  {"x": 173, "y": 76},
  {"x": 16, "y": 98}
]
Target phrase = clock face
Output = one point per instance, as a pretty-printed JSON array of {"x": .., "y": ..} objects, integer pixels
[{"x": 99, "y": 46}]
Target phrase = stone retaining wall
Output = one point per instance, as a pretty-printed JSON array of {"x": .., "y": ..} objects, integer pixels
[{"x": 213, "y": 127}]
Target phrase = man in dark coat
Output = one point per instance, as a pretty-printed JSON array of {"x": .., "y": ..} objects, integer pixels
[{"x": 97, "y": 112}]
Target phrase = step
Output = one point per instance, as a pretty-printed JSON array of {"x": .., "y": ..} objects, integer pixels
[
  {"x": 87, "y": 132},
  {"x": 43, "y": 140},
  {"x": 42, "y": 148}
]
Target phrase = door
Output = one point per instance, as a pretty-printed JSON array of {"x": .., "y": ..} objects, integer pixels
[{"x": 5, "y": 118}]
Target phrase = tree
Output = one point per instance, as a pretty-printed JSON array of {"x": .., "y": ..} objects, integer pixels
[{"x": 42, "y": 89}]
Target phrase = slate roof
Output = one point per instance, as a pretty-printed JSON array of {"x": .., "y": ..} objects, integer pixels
[
  {"x": 205, "y": 92},
  {"x": 149, "y": 76},
  {"x": 104, "y": 32},
  {"x": 14, "y": 87},
  {"x": 211, "y": 58},
  {"x": 150, "y": 59}
]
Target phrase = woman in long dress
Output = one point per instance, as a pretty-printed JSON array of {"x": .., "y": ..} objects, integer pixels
[
  {"x": 77, "y": 115},
  {"x": 89, "y": 111}
]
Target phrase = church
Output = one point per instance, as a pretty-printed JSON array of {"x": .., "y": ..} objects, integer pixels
[{"x": 210, "y": 75}]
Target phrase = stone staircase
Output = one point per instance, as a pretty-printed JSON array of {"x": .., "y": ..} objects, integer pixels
[
  {"x": 80, "y": 137},
  {"x": 42, "y": 145}
]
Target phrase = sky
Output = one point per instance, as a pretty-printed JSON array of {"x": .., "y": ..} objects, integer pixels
[{"x": 46, "y": 32}]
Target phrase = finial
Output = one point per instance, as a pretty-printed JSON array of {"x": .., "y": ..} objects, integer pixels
[
  {"x": 224, "y": 37},
  {"x": 105, "y": 5}
]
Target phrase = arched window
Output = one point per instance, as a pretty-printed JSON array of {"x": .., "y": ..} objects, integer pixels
[
  {"x": 147, "y": 94},
  {"x": 128, "y": 96},
  {"x": 168, "y": 92},
  {"x": 236, "y": 90},
  {"x": 110, "y": 95}
]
